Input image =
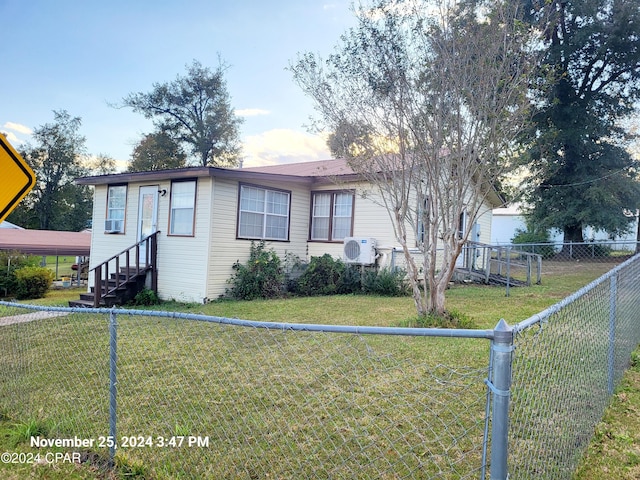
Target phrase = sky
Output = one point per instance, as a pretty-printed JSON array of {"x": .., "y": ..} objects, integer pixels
[{"x": 84, "y": 56}]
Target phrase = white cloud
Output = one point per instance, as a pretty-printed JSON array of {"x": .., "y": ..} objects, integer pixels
[
  {"x": 251, "y": 112},
  {"x": 13, "y": 140},
  {"x": 16, "y": 127},
  {"x": 283, "y": 146}
]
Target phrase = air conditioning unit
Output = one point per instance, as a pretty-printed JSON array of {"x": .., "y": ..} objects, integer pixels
[
  {"x": 359, "y": 250},
  {"x": 113, "y": 226}
]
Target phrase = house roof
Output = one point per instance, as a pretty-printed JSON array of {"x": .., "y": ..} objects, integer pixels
[
  {"x": 45, "y": 242},
  {"x": 321, "y": 168},
  {"x": 303, "y": 172},
  {"x": 190, "y": 172},
  {"x": 310, "y": 173}
]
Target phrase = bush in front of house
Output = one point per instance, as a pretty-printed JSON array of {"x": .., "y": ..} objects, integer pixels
[
  {"x": 328, "y": 276},
  {"x": 145, "y": 297},
  {"x": 33, "y": 282},
  {"x": 9, "y": 263},
  {"x": 325, "y": 276},
  {"x": 262, "y": 276},
  {"x": 385, "y": 282}
]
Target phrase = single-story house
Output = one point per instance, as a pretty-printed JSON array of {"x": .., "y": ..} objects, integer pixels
[{"x": 208, "y": 216}]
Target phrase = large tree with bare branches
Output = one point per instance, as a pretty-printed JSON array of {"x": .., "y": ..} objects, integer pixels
[{"x": 425, "y": 98}]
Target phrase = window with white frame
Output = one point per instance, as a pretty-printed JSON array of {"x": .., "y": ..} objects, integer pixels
[
  {"x": 331, "y": 215},
  {"x": 263, "y": 213},
  {"x": 183, "y": 207},
  {"x": 116, "y": 207}
]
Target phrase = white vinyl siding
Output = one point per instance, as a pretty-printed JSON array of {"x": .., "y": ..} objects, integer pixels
[
  {"x": 264, "y": 213},
  {"x": 183, "y": 198},
  {"x": 227, "y": 248}
]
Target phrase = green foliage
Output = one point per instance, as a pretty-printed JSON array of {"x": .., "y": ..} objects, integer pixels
[
  {"x": 146, "y": 297},
  {"x": 323, "y": 276},
  {"x": 539, "y": 239},
  {"x": 196, "y": 110},
  {"x": 450, "y": 319},
  {"x": 22, "y": 432},
  {"x": 328, "y": 276},
  {"x": 261, "y": 277},
  {"x": 157, "y": 151},
  {"x": 576, "y": 141},
  {"x": 9, "y": 263},
  {"x": 33, "y": 282},
  {"x": 56, "y": 157},
  {"x": 385, "y": 282}
]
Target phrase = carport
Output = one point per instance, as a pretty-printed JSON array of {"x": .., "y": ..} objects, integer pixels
[{"x": 46, "y": 243}]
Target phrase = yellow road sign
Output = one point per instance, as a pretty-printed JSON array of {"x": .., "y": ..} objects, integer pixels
[{"x": 16, "y": 178}]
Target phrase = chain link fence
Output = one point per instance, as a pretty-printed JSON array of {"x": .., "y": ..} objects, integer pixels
[
  {"x": 566, "y": 363},
  {"x": 190, "y": 396}
]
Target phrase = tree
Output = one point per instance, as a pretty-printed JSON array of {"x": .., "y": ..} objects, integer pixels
[
  {"x": 425, "y": 102},
  {"x": 196, "y": 109},
  {"x": 589, "y": 78},
  {"x": 102, "y": 164},
  {"x": 57, "y": 159},
  {"x": 157, "y": 151}
]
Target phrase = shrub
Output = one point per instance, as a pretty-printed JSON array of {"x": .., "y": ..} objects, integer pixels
[
  {"x": 450, "y": 319},
  {"x": 261, "y": 277},
  {"x": 323, "y": 276},
  {"x": 146, "y": 297},
  {"x": 9, "y": 263},
  {"x": 539, "y": 239},
  {"x": 386, "y": 282},
  {"x": 351, "y": 280},
  {"x": 33, "y": 282}
]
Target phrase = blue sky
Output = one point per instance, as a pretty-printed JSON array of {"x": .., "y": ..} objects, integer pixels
[{"x": 82, "y": 55}]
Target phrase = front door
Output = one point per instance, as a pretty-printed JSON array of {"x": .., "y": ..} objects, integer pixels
[{"x": 147, "y": 215}]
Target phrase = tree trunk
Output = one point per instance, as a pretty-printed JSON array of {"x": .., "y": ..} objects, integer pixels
[
  {"x": 437, "y": 297},
  {"x": 572, "y": 234}
]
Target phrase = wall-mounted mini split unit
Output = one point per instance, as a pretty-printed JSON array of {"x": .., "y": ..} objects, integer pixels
[
  {"x": 113, "y": 226},
  {"x": 359, "y": 250}
]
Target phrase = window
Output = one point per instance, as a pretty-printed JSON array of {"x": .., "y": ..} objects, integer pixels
[
  {"x": 331, "y": 216},
  {"x": 263, "y": 213},
  {"x": 116, "y": 206},
  {"x": 183, "y": 206}
]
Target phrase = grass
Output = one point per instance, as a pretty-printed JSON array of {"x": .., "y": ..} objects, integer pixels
[
  {"x": 306, "y": 404},
  {"x": 61, "y": 266},
  {"x": 614, "y": 451}
]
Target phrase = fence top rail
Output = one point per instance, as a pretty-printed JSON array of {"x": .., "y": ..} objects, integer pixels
[
  {"x": 358, "y": 330},
  {"x": 545, "y": 314}
]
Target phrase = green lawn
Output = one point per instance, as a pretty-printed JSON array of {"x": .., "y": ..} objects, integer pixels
[
  {"x": 298, "y": 400},
  {"x": 61, "y": 265}
]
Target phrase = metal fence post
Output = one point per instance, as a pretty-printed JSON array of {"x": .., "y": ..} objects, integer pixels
[
  {"x": 113, "y": 364},
  {"x": 500, "y": 385},
  {"x": 613, "y": 294},
  {"x": 508, "y": 268}
]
